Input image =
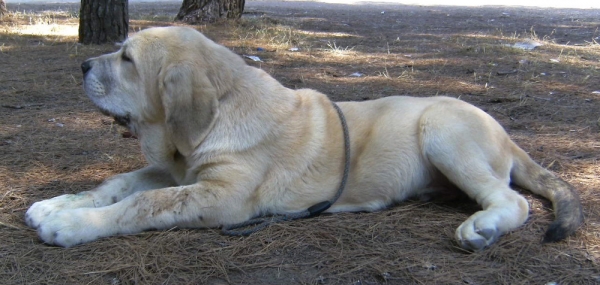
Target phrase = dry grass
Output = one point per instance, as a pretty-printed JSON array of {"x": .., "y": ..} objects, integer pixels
[{"x": 52, "y": 141}]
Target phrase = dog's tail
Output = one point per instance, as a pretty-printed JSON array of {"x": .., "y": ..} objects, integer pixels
[{"x": 565, "y": 200}]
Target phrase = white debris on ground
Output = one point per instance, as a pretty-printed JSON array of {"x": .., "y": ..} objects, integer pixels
[
  {"x": 526, "y": 45},
  {"x": 253, "y": 57}
]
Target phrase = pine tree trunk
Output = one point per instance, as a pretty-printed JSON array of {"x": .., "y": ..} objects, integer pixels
[
  {"x": 199, "y": 11},
  {"x": 3, "y": 10},
  {"x": 103, "y": 21}
]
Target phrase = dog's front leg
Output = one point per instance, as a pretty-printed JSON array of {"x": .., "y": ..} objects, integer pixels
[
  {"x": 111, "y": 191},
  {"x": 197, "y": 205}
]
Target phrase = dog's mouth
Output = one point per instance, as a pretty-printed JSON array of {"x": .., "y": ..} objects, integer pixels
[{"x": 123, "y": 120}]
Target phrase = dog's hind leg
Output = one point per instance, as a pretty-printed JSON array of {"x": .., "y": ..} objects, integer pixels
[
  {"x": 503, "y": 208},
  {"x": 473, "y": 152}
]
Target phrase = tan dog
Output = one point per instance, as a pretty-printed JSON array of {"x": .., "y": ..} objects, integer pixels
[{"x": 226, "y": 142}]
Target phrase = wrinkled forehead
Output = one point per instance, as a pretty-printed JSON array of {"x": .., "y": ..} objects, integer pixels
[
  {"x": 157, "y": 45},
  {"x": 132, "y": 43},
  {"x": 150, "y": 40},
  {"x": 166, "y": 36},
  {"x": 152, "y": 35}
]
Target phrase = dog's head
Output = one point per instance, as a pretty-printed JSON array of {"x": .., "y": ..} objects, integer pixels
[{"x": 172, "y": 76}]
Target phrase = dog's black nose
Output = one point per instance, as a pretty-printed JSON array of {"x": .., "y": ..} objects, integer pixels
[{"x": 86, "y": 66}]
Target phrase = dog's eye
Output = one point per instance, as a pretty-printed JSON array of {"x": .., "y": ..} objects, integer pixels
[{"x": 125, "y": 57}]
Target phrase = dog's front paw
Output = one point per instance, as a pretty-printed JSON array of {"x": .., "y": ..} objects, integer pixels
[
  {"x": 71, "y": 227},
  {"x": 38, "y": 212}
]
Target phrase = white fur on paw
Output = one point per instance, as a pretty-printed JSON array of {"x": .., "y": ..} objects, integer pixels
[
  {"x": 42, "y": 209},
  {"x": 71, "y": 227},
  {"x": 477, "y": 232}
]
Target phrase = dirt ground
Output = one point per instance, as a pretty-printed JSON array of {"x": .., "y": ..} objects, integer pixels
[{"x": 53, "y": 141}]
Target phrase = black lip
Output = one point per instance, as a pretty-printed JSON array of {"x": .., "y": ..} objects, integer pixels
[{"x": 123, "y": 120}]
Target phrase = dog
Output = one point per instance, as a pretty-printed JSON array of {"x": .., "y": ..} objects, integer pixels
[{"x": 226, "y": 142}]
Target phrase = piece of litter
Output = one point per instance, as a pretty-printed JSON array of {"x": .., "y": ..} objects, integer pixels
[
  {"x": 294, "y": 49},
  {"x": 523, "y": 61},
  {"x": 408, "y": 55},
  {"x": 13, "y": 106},
  {"x": 52, "y": 120},
  {"x": 127, "y": 135},
  {"x": 20, "y": 106},
  {"x": 554, "y": 60},
  {"x": 543, "y": 74},
  {"x": 506, "y": 72},
  {"x": 260, "y": 49},
  {"x": 356, "y": 74},
  {"x": 527, "y": 45},
  {"x": 60, "y": 125},
  {"x": 253, "y": 57},
  {"x": 382, "y": 12},
  {"x": 596, "y": 92}
]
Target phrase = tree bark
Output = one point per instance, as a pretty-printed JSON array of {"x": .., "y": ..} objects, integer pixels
[
  {"x": 202, "y": 11},
  {"x": 3, "y": 10},
  {"x": 103, "y": 21}
]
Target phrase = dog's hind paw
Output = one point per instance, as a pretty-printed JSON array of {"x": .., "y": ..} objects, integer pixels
[{"x": 476, "y": 234}]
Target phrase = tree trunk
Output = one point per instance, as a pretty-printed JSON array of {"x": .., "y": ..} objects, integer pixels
[
  {"x": 3, "y": 10},
  {"x": 198, "y": 11},
  {"x": 103, "y": 21}
]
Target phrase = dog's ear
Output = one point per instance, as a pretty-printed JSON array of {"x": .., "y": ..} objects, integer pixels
[{"x": 191, "y": 105}]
